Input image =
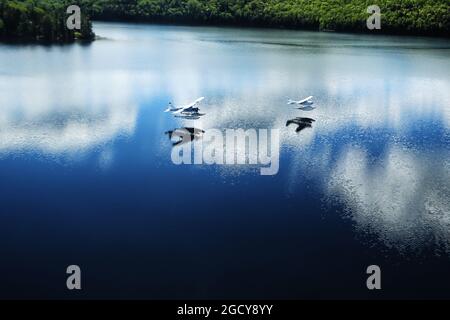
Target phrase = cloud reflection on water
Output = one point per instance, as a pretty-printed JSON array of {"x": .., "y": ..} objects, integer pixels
[
  {"x": 404, "y": 200},
  {"x": 65, "y": 115},
  {"x": 401, "y": 194}
]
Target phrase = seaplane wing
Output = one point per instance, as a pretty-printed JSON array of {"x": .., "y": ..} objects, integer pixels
[
  {"x": 304, "y": 101},
  {"x": 191, "y": 105},
  {"x": 199, "y": 100}
]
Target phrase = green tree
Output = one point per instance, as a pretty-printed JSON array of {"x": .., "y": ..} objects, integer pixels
[{"x": 40, "y": 20}]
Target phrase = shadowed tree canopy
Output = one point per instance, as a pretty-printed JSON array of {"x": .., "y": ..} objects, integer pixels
[{"x": 40, "y": 20}]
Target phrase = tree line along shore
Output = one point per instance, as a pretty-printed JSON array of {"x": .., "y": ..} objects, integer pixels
[{"x": 45, "y": 20}]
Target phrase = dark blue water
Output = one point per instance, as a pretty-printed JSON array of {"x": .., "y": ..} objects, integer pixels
[{"x": 86, "y": 175}]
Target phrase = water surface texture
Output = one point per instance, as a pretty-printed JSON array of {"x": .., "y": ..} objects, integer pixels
[{"x": 86, "y": 175}]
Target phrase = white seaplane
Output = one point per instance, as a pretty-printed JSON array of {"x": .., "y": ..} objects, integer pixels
[
  {"x": 187, "y": 109},
  {"x": 305, "y": 102}
]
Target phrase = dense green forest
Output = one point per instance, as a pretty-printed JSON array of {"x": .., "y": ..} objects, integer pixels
[
  {"x": 45, "y": 19},
  {"x": 42, "y": 20},
  {"x": 430, "y": 17}
]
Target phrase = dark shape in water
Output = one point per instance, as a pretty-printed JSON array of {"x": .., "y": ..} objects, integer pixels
[
  {"x": 185, "y": 135},
  {"x": 306, "y": 108},
  {"x": 302, "y": 123}
]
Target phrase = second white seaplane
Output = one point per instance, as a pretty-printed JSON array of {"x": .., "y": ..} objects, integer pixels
[
  {"x": 305, "y": 102},
  {"x": 187, "y": 109}
]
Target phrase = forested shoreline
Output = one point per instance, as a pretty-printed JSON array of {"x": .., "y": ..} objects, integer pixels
[
  {"x": 414, "y": 17},
  {"x": 40, "y": 20},
  {"x": 45, "y": 19}
]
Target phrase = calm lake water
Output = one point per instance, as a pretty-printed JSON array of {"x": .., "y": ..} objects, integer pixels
[{"x": 86, "y": 175}]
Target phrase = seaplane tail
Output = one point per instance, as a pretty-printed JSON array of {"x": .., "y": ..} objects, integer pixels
[{"x": 169, "y": 107}]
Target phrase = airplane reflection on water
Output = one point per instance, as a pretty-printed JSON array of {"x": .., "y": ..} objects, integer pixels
[
  {"x": 302, "y": 123},
  {"x": 185, "y": 135}
]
